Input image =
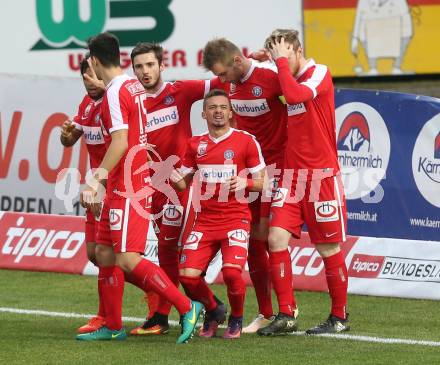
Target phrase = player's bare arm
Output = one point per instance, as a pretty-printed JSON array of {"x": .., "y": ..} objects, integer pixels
[
  {"x": 237, "y": 183},
  {"x": 69, "y": 134},
  {"x": 89, "y": 197}
]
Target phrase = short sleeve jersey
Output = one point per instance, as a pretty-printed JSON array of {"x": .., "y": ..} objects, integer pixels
[
  {"x": 214, "y": 161},
  {"x": 168, "y": 117},
  {"x": 123, "y": 107},
  {"x": 259, "y": 110},
  {"x": 88, "y": 120}
]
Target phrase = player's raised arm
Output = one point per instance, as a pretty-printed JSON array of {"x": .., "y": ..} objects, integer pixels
[{"x": 289, "y": 58}]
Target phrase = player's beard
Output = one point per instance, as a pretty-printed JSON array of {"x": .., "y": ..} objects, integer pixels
[{"x": 150, "y": 87}]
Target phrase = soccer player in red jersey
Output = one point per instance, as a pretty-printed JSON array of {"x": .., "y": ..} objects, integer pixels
[
  {"x": 223, "y": 164},
  {"x": 311, "y": 190},
  {"x": 254, "y": 91},
  {"x": 123, "y": 228},
  {"x": 169, "y": 129},
  {"x": 87, "y": 123}
]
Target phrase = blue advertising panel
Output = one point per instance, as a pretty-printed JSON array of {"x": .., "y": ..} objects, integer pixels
[{"x": 389, "y": 152}]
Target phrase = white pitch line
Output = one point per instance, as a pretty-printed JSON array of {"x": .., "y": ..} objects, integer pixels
[{"x": 385, "y": 340}]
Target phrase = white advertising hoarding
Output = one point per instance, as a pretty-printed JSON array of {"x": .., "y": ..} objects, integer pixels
[{"x": 47, "y": 37}]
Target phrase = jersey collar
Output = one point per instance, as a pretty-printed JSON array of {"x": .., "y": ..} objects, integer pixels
[
  {"x": 249, "y": 73},
  {"x": 310, "y": 63},
  {"x": 221, "y": 138},
  {"x": 114, "y": 79},
  {"x": 158, "y": 92}
]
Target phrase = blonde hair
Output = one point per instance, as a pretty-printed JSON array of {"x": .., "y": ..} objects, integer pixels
[
  {"x": 219, "y": 50},
  {"x": 291, "y": 36}
]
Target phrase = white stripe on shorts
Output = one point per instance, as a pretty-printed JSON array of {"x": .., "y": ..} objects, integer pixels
[
  {"x": 125, "y": 225},
  {"x": 339, "y": 201},
  {"x": 185, "y": 220}
]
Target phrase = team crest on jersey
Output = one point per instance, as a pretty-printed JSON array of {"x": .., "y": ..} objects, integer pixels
[
  {"x": 232, "y": 89},
  {"x": 229, "y": 155},
  {"x": 168, "y": 100},
  {"x": 97, "y": 116},
  {"x": 201, "y": 149},
  {"x": 257, "y": 91}
]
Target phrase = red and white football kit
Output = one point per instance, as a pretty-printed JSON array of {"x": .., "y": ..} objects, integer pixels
[
  {"x": 259, "y": 111},
  {"x": 125, "y": 211},
  {"x": 311, "y": 190},
  {"x": 88, "y": 121},
  {"x": 169, "y": 129},
  {"x": 223, "y": 217}
]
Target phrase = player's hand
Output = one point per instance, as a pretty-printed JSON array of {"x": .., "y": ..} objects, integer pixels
[
  {"x": 354, "y": 46},
  {"x": 89, "y": 199},
  {"x": 279, "y": 48},
  {"x": 66, "y": 128},
  {"x": 94, "y": 79},
  {"x": 175, "y": 176},
  {"x": 262, "y": 55},
  {"x": 237, "y": 183}
]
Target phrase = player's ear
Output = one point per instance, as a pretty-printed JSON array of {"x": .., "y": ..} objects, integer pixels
[
  {"x": 161, "y": 67},
  {"x": 203, "y": 115}
]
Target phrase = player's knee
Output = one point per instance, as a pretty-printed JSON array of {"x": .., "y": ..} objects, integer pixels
[
  {"x": 231, "y": 275},
  {"x": 91, "y": 253},
  {"x": 328, "y": 249},
  {"x": 104, "y": 255},
  {"x": 277, "y": 241}
]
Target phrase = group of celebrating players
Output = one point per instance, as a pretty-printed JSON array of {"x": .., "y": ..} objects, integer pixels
[{"x": 267, "y": 165}]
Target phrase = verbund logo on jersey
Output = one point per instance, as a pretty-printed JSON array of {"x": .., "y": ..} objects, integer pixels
[
  {"x": 250, "y": 108},
  {"x": 217, "y": 173},
  {"x": 363, "y": 148},
  {"x": 426, "y": 161},
  {"x": 93, "y": 135},
  {"x": 162, "y": 118}
]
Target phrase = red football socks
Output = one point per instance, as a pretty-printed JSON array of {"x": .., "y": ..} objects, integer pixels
[
  {"x": 236, "y": 290},
  {"x": 197, "y": 289},
  {"x": 111, "y": 285},
  {"x": 169, "y": 262},
  {"x": 149, "y": 276},
  {"x": 281, "y": 274},
  {"x": 337, "y": 281},
  {"x": 259, "y": 271}
]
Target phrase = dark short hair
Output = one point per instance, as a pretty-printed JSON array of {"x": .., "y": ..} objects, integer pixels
[
  {"x": 146, "y": 47},
  {"x": 84, "y": 65},
  {"x": 215, "y": 92},
  {"x": 105, "y": 47}
]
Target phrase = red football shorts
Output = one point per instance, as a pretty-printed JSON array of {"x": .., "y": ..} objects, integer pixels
[
  {"x": 124, "y": 225},
  {"x": 322, "y": 207},
  {"x": 170, "y": 218},
  {"x": 202, "y": 246}
]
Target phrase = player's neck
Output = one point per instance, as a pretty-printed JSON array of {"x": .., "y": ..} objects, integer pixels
[
  {"x": 218, "y": 132},
  {"x": 302, "y": 64},
  {"x": 110, "y": 73},
  {"x": 155, "y": 88},
  {"x": 247, "y": 63}
]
